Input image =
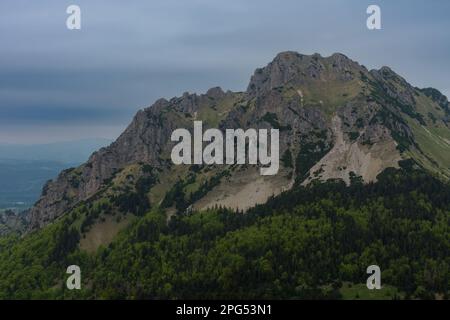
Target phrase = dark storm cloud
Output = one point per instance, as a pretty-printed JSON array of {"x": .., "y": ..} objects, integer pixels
[{"x": 128, "y": 54}]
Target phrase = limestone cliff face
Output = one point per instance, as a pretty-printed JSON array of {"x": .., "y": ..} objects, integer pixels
[
  {"x": 144, "y": 141},
  {"x": 12, "y": 222},
  {"x": 336, "y": 119},
  {"x": 297, "y": 69},
  {"x": 140, "y": 142}
]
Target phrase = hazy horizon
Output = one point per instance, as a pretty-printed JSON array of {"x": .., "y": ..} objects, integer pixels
[{"x": 56, "y": 142}]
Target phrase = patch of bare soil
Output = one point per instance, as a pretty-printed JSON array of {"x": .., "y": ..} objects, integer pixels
[
  {"x": 103, "y": 232},
  {"x": 245, "y": 189},
  {"x": 346, "y": 157}
]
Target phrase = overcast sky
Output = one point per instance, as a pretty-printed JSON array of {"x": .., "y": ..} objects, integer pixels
[{"x": 57, "y": 84}]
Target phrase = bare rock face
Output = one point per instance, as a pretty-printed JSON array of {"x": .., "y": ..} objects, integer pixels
[
  {"x": 437, "y": 97},
  {"x": 11, "y": 222},
  {"x": 335, "y": 118},
  {"x": 142, "y": 141},
  {"x": 297, "y": 69}
]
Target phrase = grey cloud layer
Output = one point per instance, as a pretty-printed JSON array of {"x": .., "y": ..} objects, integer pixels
[{"x": 129, "y": 54}]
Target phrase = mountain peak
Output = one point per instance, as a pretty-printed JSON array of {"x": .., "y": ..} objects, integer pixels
[
  {"x": 331, "y": 112},
  {"x": 295, "y": 68},
  {"x": 215, "y": 92}
]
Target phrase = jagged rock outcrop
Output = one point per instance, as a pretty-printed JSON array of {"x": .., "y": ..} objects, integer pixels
[
  {"x": 298, "y": 69},
  {"x": 335, "y": 118},
  {"x": 12, "y": 222}
]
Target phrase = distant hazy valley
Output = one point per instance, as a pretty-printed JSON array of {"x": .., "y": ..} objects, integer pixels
[{"x": 24, "y": 169}]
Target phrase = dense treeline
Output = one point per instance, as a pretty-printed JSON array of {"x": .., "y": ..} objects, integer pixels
[{"x": 304, "y": 243}]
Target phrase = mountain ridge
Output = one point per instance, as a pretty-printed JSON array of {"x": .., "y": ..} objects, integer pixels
[
  {"x": 363, "y": 181},
  {"x": 375, "y": 117}
]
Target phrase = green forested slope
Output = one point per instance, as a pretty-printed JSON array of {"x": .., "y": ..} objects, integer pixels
[{"x": 307, "y": 243}]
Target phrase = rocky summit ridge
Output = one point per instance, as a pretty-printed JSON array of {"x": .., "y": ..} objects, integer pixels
[{"x": 337, "y": 120}]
